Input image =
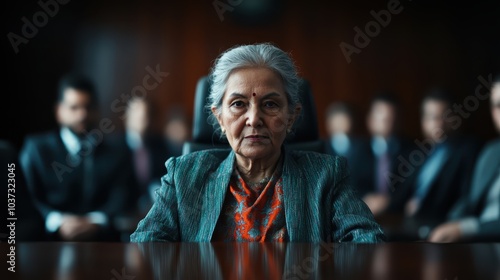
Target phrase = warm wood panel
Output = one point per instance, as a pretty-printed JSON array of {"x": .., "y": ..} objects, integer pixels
[{"x": 425, "y": 44}]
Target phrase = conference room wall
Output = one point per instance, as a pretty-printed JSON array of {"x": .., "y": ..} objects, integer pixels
[{"x": 425, "y": 44}]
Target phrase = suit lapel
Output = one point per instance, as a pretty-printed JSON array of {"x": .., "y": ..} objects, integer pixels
[
  {"x": 215, "y": 193},
  {"x": 446, "y": 162},
  {"x": 294, "y": 198},
  {"x": 57, "y": 153},
  {"x": 57, "y": 147},
  {"x": 488, "y": 172}
]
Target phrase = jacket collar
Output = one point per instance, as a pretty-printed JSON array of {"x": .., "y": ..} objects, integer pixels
[
  {"x": 487, "y": 166},
  {"x": 300, "y": 215},
  {"x": 217, "y": 185},
  {"x": 295, "y": 197}
]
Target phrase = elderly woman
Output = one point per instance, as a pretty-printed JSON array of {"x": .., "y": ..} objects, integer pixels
[{"x": 259, "y": 191}]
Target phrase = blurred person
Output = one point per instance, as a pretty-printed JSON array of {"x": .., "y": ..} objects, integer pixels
[
  {"x": 78, "y": 181},
  {"x": 176, "y": 131},
  {"x": 148, "y": 151},
  {"x": 245, "y": 193},
  {"x": 339, "y": 124},
  {"x": 477, "y": 216},
  {"x": 443, "y": 168},
  {"x": 379, "y": 156}
]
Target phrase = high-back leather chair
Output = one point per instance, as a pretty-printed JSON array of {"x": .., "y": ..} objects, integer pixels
[{"x": 306, "y": 136}]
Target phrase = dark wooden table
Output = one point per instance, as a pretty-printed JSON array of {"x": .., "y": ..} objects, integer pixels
[{"x": 253, "y": 261}]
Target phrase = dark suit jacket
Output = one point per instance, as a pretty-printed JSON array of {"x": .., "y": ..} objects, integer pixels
[
  {"x": 352, "y": 154},
  {"x": 363, "y": 164},
  {"x": 473, "y": 202},
  {"x": 157, "y": 149},
  {"x": 319, "y": 202},
  {"x": 452, "y": 180},
  {"x": 158, "y": 154},
  {"x": 111, "y": 191}
]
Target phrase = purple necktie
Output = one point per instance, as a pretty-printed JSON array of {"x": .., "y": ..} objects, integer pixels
[
  {"x": 142, "y": 165},
  {"x": 383, "y": 165}
]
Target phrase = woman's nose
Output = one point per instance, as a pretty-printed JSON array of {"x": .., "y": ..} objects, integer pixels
[{"x": 254, "y": 116}]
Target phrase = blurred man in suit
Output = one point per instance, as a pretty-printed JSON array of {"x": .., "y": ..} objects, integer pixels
[
  {"x": 148, "y": 151},
  {"x": 79, "y": 182},
  {"x": 176, "y": 131},
  {"x": 339, "y": 124},
  {"x": 380, "y": 154},
  {"x": 477, "y": 216},
  {"x": 442, "y": 170}
]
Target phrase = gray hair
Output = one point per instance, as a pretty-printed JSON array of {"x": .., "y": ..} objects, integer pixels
[{"x": 257, "y": 55}]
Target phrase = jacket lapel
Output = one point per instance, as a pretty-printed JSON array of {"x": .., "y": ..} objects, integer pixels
[
  {"x": 294, "y": 200},
  {"x": 215, "y": 193},
  {"x": 489, "y": 170}
]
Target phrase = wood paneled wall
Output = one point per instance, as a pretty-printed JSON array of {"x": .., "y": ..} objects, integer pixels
[{"x": 426, "y": 44}]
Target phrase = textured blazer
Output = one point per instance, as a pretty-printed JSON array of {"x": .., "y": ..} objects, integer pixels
[{"x": 319, "y": 203}]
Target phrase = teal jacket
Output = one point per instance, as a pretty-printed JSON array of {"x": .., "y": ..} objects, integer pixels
[{"x": 319, "y": 203}]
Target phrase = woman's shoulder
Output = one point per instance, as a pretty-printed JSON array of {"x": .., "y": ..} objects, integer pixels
[
  {"x": 319, "y": 162},
  {"x": 315, "y": 157},
  {"x": 323, "y": 169},
  {"x": 203, "y": 158}
]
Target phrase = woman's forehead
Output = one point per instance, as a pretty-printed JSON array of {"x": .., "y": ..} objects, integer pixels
[{"x": 248, "y": 81}]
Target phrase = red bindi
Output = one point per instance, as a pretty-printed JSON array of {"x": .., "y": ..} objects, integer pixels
[{"x": 254, "y": 94}]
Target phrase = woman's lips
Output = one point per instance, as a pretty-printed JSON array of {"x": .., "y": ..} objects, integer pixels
[{"x": 256, "y": 137}]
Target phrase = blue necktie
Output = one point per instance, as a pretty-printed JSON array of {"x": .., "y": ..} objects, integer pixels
[{"x": 429, "y": 171}]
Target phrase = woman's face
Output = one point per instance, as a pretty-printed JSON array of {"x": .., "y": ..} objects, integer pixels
[{"x": 254, "y": 114}]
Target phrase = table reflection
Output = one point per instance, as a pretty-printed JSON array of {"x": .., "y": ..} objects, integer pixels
[
  {"x": 189, "y": 261},
  {"x": 256, "y": 260},
  {"x": 417, "y": 260}
]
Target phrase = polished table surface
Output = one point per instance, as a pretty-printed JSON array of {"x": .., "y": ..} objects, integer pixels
[{"x": 59, "y": 260}]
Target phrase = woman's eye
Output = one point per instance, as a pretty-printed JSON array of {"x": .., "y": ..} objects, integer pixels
[
  {"x": 237, "y": 104},
  {"x": 270, "y": 104}
]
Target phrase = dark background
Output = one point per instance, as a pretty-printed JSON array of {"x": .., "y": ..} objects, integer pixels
[{"x": 429, "y": 43}]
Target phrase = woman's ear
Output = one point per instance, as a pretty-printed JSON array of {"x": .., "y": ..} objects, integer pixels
[
  {"x": 217, "y": 116},
  {"x": 293, "y": 116}
]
